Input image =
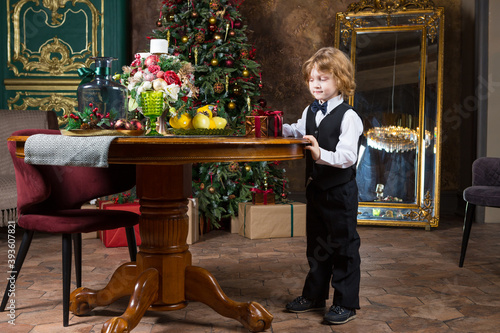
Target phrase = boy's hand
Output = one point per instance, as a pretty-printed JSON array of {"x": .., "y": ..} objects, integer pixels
[{"x": 314, "y": 147}]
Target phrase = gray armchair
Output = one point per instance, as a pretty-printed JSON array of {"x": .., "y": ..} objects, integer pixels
[
  {"x": 485, "y": 191},
  {"x": 11, "y": 121}
]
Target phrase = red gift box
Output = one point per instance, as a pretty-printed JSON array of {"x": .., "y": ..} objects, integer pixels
[
  {"x": 118, "y": 237},
  {"x": 275, "y": 123},
  {"x": 262, "y": 197}
]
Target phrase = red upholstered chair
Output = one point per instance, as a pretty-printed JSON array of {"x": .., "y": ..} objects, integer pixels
[{"x": 50, "y": 199}]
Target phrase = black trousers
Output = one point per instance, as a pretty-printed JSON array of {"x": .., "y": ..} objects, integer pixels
[{"x": 333, "y": 244}]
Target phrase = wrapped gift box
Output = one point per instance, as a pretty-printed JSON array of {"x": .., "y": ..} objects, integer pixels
[
  {"x": 118, "y": 237},
  {"x": 256, "y": 126},
  {"x": 272, "y": 221},
  {"x": 261, "y": 197},
  {"x": 235, "y": 225},
  {"x": 274, "y": 123}
]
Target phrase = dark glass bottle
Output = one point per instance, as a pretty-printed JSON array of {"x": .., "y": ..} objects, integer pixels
[{"x": 108, "y": 96}]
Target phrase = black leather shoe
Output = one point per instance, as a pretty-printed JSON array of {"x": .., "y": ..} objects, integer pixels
[
  {"x": 302, "y": 304},
  {"x": 339, "y": 315}
]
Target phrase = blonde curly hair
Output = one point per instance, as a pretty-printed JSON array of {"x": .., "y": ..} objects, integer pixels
[{"x": 332, "y": 60}]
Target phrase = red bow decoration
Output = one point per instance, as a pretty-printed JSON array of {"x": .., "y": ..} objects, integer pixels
[{"x": 263, "y": 192}]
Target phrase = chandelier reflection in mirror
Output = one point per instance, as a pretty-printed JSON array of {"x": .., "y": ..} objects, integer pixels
[{"x": 399, "y": 136}]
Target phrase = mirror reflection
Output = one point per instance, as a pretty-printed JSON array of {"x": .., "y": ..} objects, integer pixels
[
  {"x": 398, "y": 58},
  {"x": 388, "y": 89}
]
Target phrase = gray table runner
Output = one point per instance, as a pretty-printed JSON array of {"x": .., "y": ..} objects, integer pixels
[{"x": 68, "y": 150}]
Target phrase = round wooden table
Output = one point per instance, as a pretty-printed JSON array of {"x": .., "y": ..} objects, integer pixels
[{"x": 163, "y": 277}]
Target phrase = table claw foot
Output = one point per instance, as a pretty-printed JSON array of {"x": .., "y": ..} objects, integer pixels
[
  {"x": 117, "y": 324},
  {"x": 145, "y": 293},
  {"x": 83, "y": 300},
  {"x": 201, "y": 286}
]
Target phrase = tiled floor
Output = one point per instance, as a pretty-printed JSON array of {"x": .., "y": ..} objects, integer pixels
[{"x": 411, "y": 282}]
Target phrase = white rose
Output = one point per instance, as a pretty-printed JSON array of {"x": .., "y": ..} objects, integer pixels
[{"x": 172, "y": 91}]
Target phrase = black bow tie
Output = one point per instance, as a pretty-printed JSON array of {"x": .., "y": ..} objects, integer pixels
[{"x": 315, "y": 107}]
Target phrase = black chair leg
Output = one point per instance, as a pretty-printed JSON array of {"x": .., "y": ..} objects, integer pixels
[
  {"x": 470, "y": 209},
  {"x": 132, "y": 243},
  {"x": 18, "y": 264},
  {"x": 66, "y": 263},
  {"x": 77, "y": 243}
]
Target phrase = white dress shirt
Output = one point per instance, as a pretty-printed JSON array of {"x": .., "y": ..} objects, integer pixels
[{"x": 351, "y": 128}]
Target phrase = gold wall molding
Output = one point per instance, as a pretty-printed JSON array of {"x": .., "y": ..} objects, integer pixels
[
  {"x": 65, "y": 102},
  {"x": 55, "y": 57},
  {"x": 390, "y": 6}
]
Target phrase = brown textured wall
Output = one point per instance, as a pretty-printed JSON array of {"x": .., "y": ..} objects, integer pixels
[{"x": 287, "y": 32}]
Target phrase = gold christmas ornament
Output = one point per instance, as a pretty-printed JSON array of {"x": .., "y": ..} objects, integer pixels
[
  {"x": 218, "y": 88},
  {"x": 217, "y": 36},
  {"x": 211, "y": 190},
  {"x": 246, "y": 73},
  {"x": 199, "y": 37},
  {"x": 214, "y": 62},
  {"x": 202, "y": 186},
  {"x": 237, "y": 89},
  {"x": 244, "y": 54},
  {"x": 171, "y": 17},
  {"x": 212, "y": 20},
  {"x": 233, "y": 167},
  {"x": 185, "y": 39},
  {"x": 248, "y": 168},
  {"x": 231, "y": 105},
  {"x": 214, "y": 4}
]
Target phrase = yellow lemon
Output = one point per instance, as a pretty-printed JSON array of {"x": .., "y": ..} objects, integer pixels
[
  {"x": 201, "y": 121},
  {"x": 206, "y": 110},
  {"x": 173, "y": 122},
  {"x": 219, "y": 122},
  {"x": 184, "y": 121}
]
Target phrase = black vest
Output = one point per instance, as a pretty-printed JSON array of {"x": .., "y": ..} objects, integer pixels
[{"x": 327, "y": 134}]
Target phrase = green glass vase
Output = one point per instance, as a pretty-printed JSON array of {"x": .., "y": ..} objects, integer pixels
[{"x": 152, "y": 107}]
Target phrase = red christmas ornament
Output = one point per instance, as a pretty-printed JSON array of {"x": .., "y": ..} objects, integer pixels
[
  {"x": 238, "y": 24},
  {"x": 158, "y": 23},
  {"x": 232, "y": 33},
  {"x": 212, "y": 27},
  {"x": 229, "y": 63},
  {"x": 262, "y": 102}
]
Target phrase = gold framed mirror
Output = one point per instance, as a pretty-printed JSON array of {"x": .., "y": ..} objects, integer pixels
[{"x": 397, "y": 51}]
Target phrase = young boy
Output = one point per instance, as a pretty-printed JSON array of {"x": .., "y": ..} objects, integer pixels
[{"x": 333, "y": 128}]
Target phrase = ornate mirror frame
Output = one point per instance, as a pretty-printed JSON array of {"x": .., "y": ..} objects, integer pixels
[{"x": 397, "y": 51}]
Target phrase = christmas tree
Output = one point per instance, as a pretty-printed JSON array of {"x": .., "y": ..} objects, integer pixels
[{"x": 211, "y": 35}]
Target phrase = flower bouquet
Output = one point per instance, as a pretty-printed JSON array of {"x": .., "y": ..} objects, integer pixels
[{"x": 157, "y": 84}]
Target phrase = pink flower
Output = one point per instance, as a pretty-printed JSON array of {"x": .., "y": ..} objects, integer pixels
[
  {"x": 151, "y": 60},
  {"x": 154, "y": 69},
  {"x": 149, "y": 77},
  {"x": 171, "y": 78},
  {"x": 160, "y": 74}
]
